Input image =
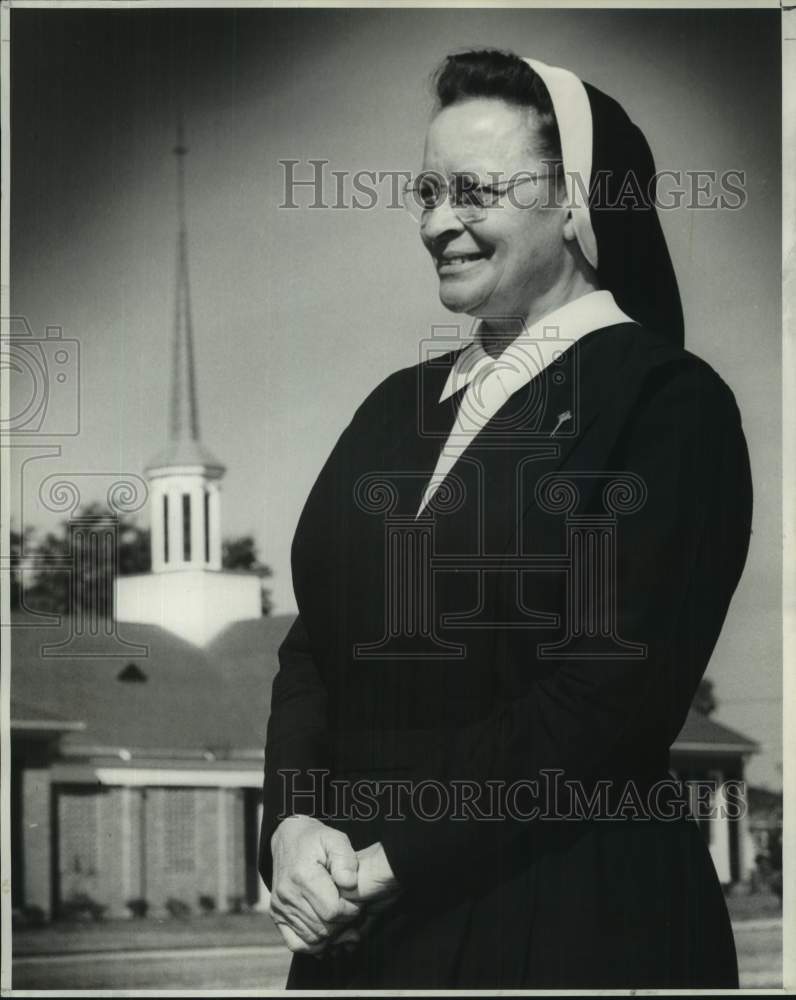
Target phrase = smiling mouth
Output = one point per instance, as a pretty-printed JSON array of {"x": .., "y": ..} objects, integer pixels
[{"x": 459, "y": 262}]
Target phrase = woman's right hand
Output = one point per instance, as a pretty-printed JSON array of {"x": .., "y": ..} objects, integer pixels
[{"x": 313, "y": 864}]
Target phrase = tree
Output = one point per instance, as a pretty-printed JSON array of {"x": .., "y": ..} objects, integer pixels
[
  {"x": 241, "y": 553},
  {"x": 49, "y": 589},
  {"x": 50, "y": 563},
  {"x": 135, "y": 551},
  {"x": 19, "y": 553},
  {"x": 705, "y": 699}
]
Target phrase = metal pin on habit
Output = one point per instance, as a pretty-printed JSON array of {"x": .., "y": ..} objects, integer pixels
[{"x": 562, "y": 418}]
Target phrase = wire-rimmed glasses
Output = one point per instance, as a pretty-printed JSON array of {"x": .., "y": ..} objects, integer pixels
[{"x": 469, "y": 199}]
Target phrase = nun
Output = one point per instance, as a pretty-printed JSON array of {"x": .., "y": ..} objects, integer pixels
[{"x": 511, "y": 573}]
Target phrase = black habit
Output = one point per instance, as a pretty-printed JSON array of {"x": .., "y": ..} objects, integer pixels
[
  {"x": 502, "y": 686},
  {"x": 551, "y": 613}
]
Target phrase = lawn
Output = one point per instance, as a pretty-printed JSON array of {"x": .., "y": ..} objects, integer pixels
[
  {"x": 212, "y": 931},
  {"x": 756, "y": 922},
  {"x": 759, "y": 947},
  {"x": 759, "y": 905}
]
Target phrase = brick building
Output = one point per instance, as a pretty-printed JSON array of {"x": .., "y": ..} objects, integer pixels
[{"x": 140, "y": 777}]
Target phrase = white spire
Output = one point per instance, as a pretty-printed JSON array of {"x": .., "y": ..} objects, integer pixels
[
  {"x": 187, "y": 591},
  {"x": 184, "y": 476}
]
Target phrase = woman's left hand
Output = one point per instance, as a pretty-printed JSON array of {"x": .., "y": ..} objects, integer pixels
[
  {"x": 377, "y": 889},
  {"x": 375, "y": 878}
]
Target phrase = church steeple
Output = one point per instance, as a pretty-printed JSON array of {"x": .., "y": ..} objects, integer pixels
[
  {"x": 188, "y": 592},
  {"x": 184, "y": 414},
  {"x": 184, "y": 475}
]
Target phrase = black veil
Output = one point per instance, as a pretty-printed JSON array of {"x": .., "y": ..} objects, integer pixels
[
  {"x": 633, "y": 261},
  {"x": 618, "y": 229}
]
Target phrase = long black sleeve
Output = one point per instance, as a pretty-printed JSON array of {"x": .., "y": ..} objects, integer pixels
[{"x": 296, "y": 740}]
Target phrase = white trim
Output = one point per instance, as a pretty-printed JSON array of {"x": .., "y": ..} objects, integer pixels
[
  {"x": 573, "y": 114},
  {"x": 164, "y": 471},
  {"x": 157, "y": 528},
  {"x": 197, "y": 507},
  {"x": 125, "y": 848},
  {"x": 174, "y": 526},
  {"x": 713, "y": 748},
  {"x": 214, "y": 513},
  {"x": 222, "y": 858},
  {"x": 146, "y": 755},
  {"x": 148, "y": 776},
  {"x": 263, "y": 904},
  {"x": 48, "y": 725}
]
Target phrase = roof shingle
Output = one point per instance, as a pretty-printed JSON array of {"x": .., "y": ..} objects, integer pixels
[{"x": 213, "y": 699}]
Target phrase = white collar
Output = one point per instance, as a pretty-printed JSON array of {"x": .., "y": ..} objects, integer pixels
[{"x": 538, "y": 344}]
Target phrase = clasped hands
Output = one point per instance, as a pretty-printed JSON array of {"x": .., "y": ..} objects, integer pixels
[{"x": 325, "y": 895}]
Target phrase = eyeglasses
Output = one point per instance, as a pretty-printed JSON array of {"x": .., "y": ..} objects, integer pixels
[{"x": 469, "y": 199}]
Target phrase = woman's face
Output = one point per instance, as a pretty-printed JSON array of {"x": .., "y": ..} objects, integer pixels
[{"x": 515, "y": 256}]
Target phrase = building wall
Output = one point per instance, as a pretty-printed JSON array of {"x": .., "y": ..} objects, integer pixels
[
  {"x": 35, "y": 837},
  {"x": 192, "y": 846},
  {"x": 726, "y": 838},
  {"x": 236, "y": 843},
  {"x": 195, "y": 604},
  {"x": 114, "y": 844},
  {"x": 207, "y": 840},
  {"x": 83, "y": 826},
  {"x": 134, "y": 882}
]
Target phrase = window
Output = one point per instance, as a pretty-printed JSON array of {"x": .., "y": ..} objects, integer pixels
[
  {"x": 186, "y": 527},
  {"x": 79, "y": 837},
  {"x": 207, "y": 526},
  {"x": 165, "y": 528},
  {"x": 132, "y": 673},
  {"x": 179, "y": 830}
]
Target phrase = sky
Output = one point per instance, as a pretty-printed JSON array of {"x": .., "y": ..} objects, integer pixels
[{"x": 298, "y": 313}]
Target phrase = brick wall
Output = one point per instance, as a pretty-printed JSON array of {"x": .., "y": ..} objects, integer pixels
[{"x": 193, "y": 842}]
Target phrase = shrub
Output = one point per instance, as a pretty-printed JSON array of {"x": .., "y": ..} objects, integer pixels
[
  {"x": 207, "y": 904},
  {"x": 81, "y": 906},
  {"x": 138, "y": 907},
  {"x": 237, "y": 904},
  {"x": 28, "y": 916},
  {"x": 177, "y": 908}
]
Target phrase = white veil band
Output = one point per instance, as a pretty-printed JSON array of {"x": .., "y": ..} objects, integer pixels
[{"x": 573, "y": 114}]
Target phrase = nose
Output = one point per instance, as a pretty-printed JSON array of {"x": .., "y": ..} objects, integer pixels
[{"x": 438, "y": 221}]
